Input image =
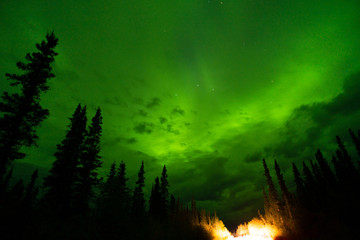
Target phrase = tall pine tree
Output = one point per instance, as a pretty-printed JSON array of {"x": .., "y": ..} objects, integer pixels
[
  {"x": 155, "y": 199},
  {"x": 21, "y": 112},
  {"x": 274, "y": 212},
  {"x": 164, "y": 192},
  {"x": 138, "y": 203},
  {"x": 273, "y": 197},
  {"x": 90, "y": 161},
  {"x": 300, "y": 189},
  {"x": 59, "y": 184},
  {"x": 356, "y": 140},
  {"x": 108, "y": 188},
  {"x": 31, "y": 191},
  {"x": 287, "y": 197},
  {"x": 348, "y": 173},
  {"x": 284, "y": 190},
  {"x": 328, "y": 175},
  {"x": 123, "y": 191}
]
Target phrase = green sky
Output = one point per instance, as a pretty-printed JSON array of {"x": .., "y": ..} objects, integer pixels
[{"x": 207, "y": 87}]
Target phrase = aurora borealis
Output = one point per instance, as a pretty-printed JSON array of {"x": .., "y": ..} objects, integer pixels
[{"x": 207, "y": 87}]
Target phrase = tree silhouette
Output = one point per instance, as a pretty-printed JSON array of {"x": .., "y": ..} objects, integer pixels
[
  {"x": 4, "y": 185},
  {"x": 106, "y": 200},
  {"x": 347, "y": 173},
  {"x": 138, "y": 203},
  {"x": 284, "y": 190},
  {"x": 325, "y": 169},
  {"x": 89, "y": 163},
  {"x": 21, "y": 112},
  {"x": 356, "y": 140},
  {"x": 172, "y": 208},
  {"x": 300, "y": 189},
  {"x": 272, "y": 190},
  {"x": 274, "y": 213},
  {"x": 164, "y": 192},
  {"x": 109, "y": 186},
  {"x": 155, "y": 203},
  {"x": 286, "y": 197},
  {"x": 59, "y": 184},
  {"x": 31, "y": 191},
  {"x": 123, "y": 191},
  {"x": 310, "y": 185}
]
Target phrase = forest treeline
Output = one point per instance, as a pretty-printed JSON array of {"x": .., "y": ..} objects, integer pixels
[
  {"x": 325, "y": 204},
  {"x": 74, "y": 201}
]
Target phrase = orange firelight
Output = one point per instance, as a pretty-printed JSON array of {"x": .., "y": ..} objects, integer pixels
[{"x": 256, "y": 229}]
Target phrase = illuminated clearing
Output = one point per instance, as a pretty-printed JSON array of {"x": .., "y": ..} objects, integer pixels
[{"x": 256, "y": 229}]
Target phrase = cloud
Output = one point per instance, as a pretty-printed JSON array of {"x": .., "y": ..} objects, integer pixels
[
  {"x": 154, "y": 102},
  {"x": 115, "y": 101},
  {"x": 198, "y": 173},
  {"x": 170, "y": 129},
  {"x": 132, "y": 140},
  {"x": 111, "y": 142},
  {"x": 144, "y": 127},
  {"x": 253, "y": 157},
  {"x": 162, "y": 120},
  {"x": 178, "y": 111},
  {"x": 139, "y": 101},
  {"x": 237, "y": 194},
  {"x": 315, "y": 125},
  {"x": 142, "y": 113},
  {"x": 210, "y": 179}
]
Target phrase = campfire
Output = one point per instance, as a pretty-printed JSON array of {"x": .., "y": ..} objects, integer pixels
[{"x": 256, "y": 229}]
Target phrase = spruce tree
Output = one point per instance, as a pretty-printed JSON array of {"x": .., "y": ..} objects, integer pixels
[
  {"x": 115, "y": 195},
  {"x": 317, "y": 174},
  {"x": 31, "y": 191},
  {"x": 325, "y": 169},
  {"x": 300, "y": 189},
  {"x": 309, "y": 180},
  {"x": 164, "y": 192},
  {"x": 356, "y": 140},
  {"x": 59, "y": 184},
  {"x": 155, "y": 199},
  {"x": 4, "y": 185},
  {"x": 338, "y": 168},
  {"x": 266, "y": 201},
  {"x": 273, "y": 214},
  {"x": 203, "y": 218},
  {"x": 90, "y": 161},
  {"x": 108, "y": 188},
  {"x": 194, "y": 212},
  {"x": 172, "y": 204},
  {"x": 283, "y": 188},
  {"x": 349, "y": 174},
  {"x": 111, "y": 176},
  {"x": 287, "y": 198},
  {"x": 273, "y": 198},
  {"x": 138, "y": 203},
  {"x": 21, "y": 112},
  {"x": 123, "y": 191},
  {"x": 311, "y": 186}
]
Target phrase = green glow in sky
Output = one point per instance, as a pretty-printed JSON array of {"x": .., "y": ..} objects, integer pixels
[{"x": 207, "y": 87}]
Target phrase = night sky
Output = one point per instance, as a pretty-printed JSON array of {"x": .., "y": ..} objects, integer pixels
[{"x": 207, "y": 87}]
